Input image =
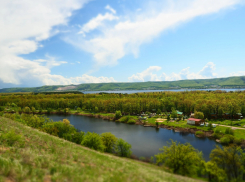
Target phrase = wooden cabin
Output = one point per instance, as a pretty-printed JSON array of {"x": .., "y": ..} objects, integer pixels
[{"x": 194, "y": 121}]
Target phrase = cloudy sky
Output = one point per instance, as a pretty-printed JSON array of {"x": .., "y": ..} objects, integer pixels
[{"x": 65, "y": 42}]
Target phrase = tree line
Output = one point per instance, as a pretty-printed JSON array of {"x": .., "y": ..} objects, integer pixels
[{"x": 215, "y": 102}]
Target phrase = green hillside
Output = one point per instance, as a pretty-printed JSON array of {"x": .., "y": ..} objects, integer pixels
[
  {"x": 38, "y": 156},
  {"x": 230, "y": 82}
]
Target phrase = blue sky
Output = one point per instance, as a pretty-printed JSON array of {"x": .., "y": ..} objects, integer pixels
[{"x": 62, "y": 42}]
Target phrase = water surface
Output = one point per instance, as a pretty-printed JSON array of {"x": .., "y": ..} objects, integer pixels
[
  {"x": 142, "y": 91},
  {"x": 145, "y": 141}
]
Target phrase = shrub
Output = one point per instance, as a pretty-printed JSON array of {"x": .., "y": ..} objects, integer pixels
[
  {"x": 93, "y": 141},
  {"x": 217, "y": 130},
  {"x": 237, "y": 141},
  {"x": 125, "y": 119},
  {"x": 200, "y": 133},
  {"x": 118, "y": 115},
  {"x": 27, "y": 110},
  {"x": 229, "y": 131},
  {"x": 198, "y": 115},
  {"x": 210, "y": 126},
  {"x": 49, "y": 110},
  {"x": 226, "y": 139},
  {"x": 10, "y": 138},
  {"x": 1, "y": 113},
  {"x": 123, "y": 148},
  {"x": 109, "y": 141},
  {"x": 1, "y": 108},
  {"x": 131, "y": 121},
  {"x": 180, "y": 158},
  {"x": 217, "y": 135}
]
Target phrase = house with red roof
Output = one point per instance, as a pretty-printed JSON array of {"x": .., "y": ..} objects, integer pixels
[{"x": 194, "y": 121}]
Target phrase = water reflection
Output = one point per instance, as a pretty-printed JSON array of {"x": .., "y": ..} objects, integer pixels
[{"x": 145, "y": 141}]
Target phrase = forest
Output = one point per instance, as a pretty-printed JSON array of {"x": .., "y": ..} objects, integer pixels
[{"x": 209, "y": 102}]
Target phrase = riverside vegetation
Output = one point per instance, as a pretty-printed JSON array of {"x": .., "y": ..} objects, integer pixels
[
  {"x": 218, "y": 169},
  {"x": 130, "y": 105},
  {"x": 28, "y": 154}
]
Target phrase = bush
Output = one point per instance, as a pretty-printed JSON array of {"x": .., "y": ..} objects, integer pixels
[
  {"x": 229, "y": 131},
  {"x": 27, "y": 110},
  {"x": 123, "y": 148},
  {"x": 218, "y": 130},
  {"x": 217, "y": 135},
  {"x": 124, "y": 119},
  {"x": 1, "y": 113},
  {"x": 237, "y": 141},
  {"x": 180, "y": 158},
  {"x": 93, "y": 141},
  {"x": 131, "y": 121},
  {"x": 118, "y": 115},
  {"x": 226, "y": 139},
  {"x": 109, "y": 141},
  {"x": 10, "y": 138},
  {"x": 1, "y": 108},
  {"x": 200, "y": 133}
]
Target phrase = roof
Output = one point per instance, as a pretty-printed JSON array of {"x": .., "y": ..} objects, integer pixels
[
  {"x": 178, "y": 112},
  {"x": 194, "y": 119}
]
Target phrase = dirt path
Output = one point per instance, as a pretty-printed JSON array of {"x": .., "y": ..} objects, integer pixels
[{"x": 232, "y": 127}]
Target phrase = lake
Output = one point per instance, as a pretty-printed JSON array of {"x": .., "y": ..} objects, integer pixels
[
  {"x": 145, "y": 141},
  {"x": 142, "y": 91}
]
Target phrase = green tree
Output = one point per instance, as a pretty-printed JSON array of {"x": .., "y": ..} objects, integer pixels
[
  {"x": 118, "y": 115},
  {"x": 123, "y": 148},
  {"x": 181, "y": 158},
  {"x": 93, "y": 141},
  {"x": 96, "y": 109},
  {"x": 199, "y": 115},
  {"x": 230, "y": 159},
  {"x": 174, "y": 113},
  {"x": 159, "y": 111},
  {"x": 109, "y": 141}
]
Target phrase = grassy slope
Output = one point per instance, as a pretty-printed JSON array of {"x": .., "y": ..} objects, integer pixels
[
  {"x": 48, "y": 158},
  {"x": 203, "y": 83}
]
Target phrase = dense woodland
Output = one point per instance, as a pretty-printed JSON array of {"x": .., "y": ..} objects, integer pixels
[{"x": 218, "y": 102}]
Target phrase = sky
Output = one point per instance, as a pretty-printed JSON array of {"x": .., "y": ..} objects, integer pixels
[{"x": 63, "y": 42}]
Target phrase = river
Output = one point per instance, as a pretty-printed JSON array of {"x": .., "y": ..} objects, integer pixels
[
  {"x": 145, "y": 141},
  {"x": 142, "y": 91}
]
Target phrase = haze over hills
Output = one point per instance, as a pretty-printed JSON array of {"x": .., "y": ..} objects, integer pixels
[{"x": 218, "y": 83}]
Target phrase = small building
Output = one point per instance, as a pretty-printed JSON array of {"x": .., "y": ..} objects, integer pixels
[
  {"x": 196, "y": 122},
  {"x": 214, "y": 116},
  {"x": 226, "y": 116},
  {"x": 192, "y": 115},
  {"x": 238, "y": 116},
  {"x": 179, "y": 113}
]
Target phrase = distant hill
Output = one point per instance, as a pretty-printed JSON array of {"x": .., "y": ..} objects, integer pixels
[{"x": 218, "y": 83}]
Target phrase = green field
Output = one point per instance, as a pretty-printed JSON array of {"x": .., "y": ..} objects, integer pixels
[
  {"x": 230, "y": 82},
  {"x": 38, "y": 156}
]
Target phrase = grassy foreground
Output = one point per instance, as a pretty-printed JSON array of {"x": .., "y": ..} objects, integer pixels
[{"x": 47, "y": 158}]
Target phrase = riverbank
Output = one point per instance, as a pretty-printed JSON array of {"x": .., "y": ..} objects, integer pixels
[
  {"x": 177, "y": 126},
  {"x": 43, "y": 157}
]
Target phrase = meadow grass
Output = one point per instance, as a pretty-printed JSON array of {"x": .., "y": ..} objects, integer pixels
[{"x": 47, "y": 158}]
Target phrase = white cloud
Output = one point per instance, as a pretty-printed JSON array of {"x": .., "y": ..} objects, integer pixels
[
  {"x": 239, "y": 73},
  {"x": 146, "y": 75},
  {"x": 108, "y": 7},
  {"x": 24, "y": 23},
  {"x": 129, "y": 32},
  {"x": 96, "y": 22},
  {"x": 150, "y": 74}
]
